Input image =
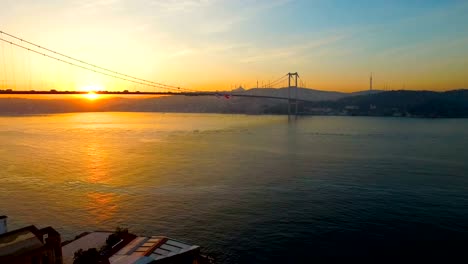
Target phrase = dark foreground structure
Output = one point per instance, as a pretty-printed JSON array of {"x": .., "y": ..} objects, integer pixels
[{"x": 30, "y": 245}]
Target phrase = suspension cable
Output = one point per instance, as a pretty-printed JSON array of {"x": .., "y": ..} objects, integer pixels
[
  {"x": 94, "y": 65},
  {"x": 270, "y": 84},
  {"x": 89, "y": 69}
]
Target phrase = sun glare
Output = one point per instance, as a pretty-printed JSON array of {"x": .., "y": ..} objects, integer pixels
[
  {"x": 92, "y": 88},
  {"x": 91, "y": 92},
  {"x": 91, "y": 96}
]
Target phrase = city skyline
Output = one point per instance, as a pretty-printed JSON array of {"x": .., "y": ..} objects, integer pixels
[{"x": 212, "y": 45}]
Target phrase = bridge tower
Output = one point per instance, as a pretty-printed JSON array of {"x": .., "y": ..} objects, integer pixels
[{"x": 292, "y": 89}]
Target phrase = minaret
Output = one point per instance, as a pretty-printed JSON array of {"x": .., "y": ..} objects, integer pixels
[{"x": 370, "y": 82}]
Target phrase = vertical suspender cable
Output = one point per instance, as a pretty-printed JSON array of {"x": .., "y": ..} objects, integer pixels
[
  {"x": 26, "y": 72},
  {"x": 13, "y": 66},
  {"x": 41, "y": 73},
  {"x": 30, "y": 71},
  {"x": 5, "y": 76}
]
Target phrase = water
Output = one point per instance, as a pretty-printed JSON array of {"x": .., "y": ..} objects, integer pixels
[{"x": 249, "y": 189}]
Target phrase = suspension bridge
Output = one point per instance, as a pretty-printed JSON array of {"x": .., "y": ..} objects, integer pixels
[{"x": 23, "y": 72}]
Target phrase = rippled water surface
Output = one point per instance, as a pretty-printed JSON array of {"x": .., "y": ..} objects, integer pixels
[{"x": 249, "y": 189}]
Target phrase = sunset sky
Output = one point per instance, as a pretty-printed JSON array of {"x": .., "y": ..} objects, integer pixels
[{"x": 215, "y": 44}]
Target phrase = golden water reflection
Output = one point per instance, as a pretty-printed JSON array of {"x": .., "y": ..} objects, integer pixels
[
  {"x": 102, "y": 206},
  {"x": 96, "y": 167}
]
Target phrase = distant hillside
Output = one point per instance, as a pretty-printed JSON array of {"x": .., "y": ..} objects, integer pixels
[
  {"x": 189, "y": 104},
  {"x": 405, "y": 103},
  {"x": 305, "y": 93},
  {"x": 184, "y": 104},
  {"x": 374, "y": 103}
]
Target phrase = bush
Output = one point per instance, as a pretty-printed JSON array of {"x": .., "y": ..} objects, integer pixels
[
  {"x": 114, "y": 238},
  {"x": 90, "y": 256},
  {"x": 94, "y": 256}
]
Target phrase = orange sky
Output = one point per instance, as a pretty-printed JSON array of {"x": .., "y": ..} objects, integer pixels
[{"x": 217, "y": 45}]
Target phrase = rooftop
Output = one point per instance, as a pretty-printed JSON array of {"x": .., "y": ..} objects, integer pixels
[
  {"x": 91, "y": 240},
  {"x": 19, "y": 241},
  {"x": 140, "y": 250},
  {"x": 146, "y": 249}
]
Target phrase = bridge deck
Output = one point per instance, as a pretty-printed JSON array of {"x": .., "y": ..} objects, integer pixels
[{"x": 54, "y": 92}]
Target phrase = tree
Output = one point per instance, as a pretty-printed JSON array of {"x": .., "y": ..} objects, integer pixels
[
  {"x": 90, "y": 256},
  {"x": 114, "y": 238}
]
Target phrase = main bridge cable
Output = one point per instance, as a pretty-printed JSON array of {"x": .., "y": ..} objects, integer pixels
[
  {"x": 268, "y": 85},
  {"x": 89, "y": 69},
  {"x": 95, "y": 66},
  {"x": 278, "y": 81},
  {"x": 302, "y": 82}
]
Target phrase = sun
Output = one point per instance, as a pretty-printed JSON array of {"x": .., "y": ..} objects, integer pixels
[
  {"x": 91, "y": 92},
  {"x": 91, "y": 96}
]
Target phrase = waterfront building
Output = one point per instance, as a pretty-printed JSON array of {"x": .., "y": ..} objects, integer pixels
[
  {"x": 30, "y": 245},
  {"x": 138, "y": 249}
]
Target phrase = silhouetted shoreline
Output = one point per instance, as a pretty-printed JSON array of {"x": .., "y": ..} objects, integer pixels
[{"x": 421, "y": 104}]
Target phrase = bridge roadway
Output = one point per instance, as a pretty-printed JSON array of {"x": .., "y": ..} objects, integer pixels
[{"x": 54, "y": 92}]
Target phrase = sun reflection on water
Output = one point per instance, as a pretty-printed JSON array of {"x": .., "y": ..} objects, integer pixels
[
  {"x": 102, "y": 206},
  {"x": 96, "y": 168}
]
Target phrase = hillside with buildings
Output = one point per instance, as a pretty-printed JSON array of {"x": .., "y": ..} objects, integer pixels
[
  {"x": 375, "y": 103},
  {"x": 396, "y": 103}
]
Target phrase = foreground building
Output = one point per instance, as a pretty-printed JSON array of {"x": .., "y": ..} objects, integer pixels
[
  {"x": 29, "y": 245},
  {"x": 139, "y": 250}
]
